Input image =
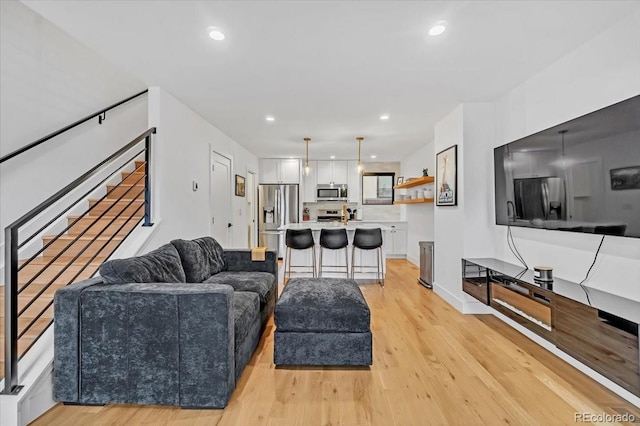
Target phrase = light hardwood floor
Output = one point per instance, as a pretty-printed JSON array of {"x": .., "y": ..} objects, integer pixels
[{"x": 432, "y": 365}]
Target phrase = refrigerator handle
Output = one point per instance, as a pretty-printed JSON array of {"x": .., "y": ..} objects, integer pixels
[
  {"x": 277, "y": 210},
  {"x": 545, "y": 200}
]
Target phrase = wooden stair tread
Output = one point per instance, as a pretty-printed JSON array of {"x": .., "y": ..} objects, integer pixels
[
  {"x": 107, "y": 216},
  {"x": 115, "y": 200},
  {"x": 66, "y": 237},
  {"x": 39, "y": 261},
  {"x": 115, "y": 185}
]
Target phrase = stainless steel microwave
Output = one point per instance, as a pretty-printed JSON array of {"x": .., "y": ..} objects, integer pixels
[{"x": 334, "y": 192}]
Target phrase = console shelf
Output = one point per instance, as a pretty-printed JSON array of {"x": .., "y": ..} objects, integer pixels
[{"x": 605, "y": 342}]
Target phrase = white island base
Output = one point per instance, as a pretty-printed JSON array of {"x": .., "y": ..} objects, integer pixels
[{"x": 365, "y": 260}]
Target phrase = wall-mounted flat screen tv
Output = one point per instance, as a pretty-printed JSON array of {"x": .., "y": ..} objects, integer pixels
[{"x": 578, "y": 176}]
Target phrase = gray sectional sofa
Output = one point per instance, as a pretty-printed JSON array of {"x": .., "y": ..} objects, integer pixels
[{"x": 175, "y": 326}]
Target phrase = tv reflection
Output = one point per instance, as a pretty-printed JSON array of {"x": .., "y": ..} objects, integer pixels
[{"x": 540, "y": 198}]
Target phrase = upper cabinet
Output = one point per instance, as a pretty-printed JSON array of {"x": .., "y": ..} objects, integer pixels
[
  {"x": 332, "y": 172},
  {"x": 534, "y": 164},
  {"x": 274, "y": 170}
]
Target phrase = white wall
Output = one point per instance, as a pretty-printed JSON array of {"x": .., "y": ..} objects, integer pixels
[
  {"x": 449, "y": 220},
  {"x": 603, "y": 71},
  {"x": 464, "y": 230},
  {"x": 419, "y": 217},
  {"x": 48, "y": 81},
  {"x": 181, "y": 155}
]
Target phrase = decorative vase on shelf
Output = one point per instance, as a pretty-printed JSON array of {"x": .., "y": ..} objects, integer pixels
[{"x": 425, "y": 172}]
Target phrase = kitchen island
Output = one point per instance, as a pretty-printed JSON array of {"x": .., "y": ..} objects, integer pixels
[{"x": 364, "y": 259}]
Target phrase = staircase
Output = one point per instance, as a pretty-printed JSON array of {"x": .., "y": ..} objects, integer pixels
[{"x": 74, "y": 255}]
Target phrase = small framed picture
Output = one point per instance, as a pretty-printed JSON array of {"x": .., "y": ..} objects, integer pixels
[
  {"x": 400, "y": 180},
  {"x": 240, "y": 186}
]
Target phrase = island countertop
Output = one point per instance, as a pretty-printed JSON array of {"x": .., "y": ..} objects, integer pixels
[{"x": 317, "y": 226}]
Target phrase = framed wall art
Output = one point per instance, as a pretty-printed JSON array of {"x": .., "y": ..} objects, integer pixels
[
  {"x": 447, "y": 177},
  {"x": 625, "y": 178},
  {"x": 240, "y": 186}
]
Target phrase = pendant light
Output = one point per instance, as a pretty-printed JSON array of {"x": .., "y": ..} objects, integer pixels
[
  {"x": 563, "y": 159},
  {"x": 307, "y": 169},
  {"x": 359, "y": 166}
]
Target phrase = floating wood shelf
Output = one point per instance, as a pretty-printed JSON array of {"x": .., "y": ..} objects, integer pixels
[
  {"x": 415, "y": 182},
  {"x": 414, "y": 201}
]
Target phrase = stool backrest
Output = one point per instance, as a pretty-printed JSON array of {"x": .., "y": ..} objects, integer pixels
[
  {"x": 610, "y": 230},
  {"x": 299, "y": 239},
  {"x": 367, "y": 239},
  {"x": 334, "y": 238}
]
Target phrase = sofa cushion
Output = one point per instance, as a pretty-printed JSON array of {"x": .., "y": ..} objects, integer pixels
[
  {"x": 246, "y": 323},
  {"x": 200, "y": 258},
  {"x": 257, "y": 282},
  {"x": 161, "y": 265}
]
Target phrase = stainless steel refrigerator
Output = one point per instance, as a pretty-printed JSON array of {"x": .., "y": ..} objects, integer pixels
[
  {"x": 540, "y": 198},
  {"x": 277, "y": 206}
]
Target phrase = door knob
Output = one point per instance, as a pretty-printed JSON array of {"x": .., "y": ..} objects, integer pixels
[{"x": 229, "y": 225}]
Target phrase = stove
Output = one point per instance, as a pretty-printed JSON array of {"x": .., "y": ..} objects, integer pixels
[{"x": 329, "y": 215}]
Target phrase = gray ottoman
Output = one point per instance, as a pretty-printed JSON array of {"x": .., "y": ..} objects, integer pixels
[{"x": 322, "y": 321}]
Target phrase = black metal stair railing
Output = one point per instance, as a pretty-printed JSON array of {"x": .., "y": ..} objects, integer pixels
[{"x": 84, "y": 249}]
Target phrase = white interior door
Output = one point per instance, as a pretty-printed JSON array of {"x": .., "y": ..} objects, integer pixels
[
  {"x": 221, "y": 199},
  {"x": 252, "y": 207}
]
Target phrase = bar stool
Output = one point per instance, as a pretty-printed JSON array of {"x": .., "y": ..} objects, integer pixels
[
  {"x": 334, "y": 239},
  {"x": 299, "y": 239},
  {"x": 368, "y": 239}
]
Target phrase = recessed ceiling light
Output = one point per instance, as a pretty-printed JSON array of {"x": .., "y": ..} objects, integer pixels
[
  {"x": 384, "y": 117},
  {"x": 374, "y": 156},
  {"x": 215, "y": 34},
  {"x": 270, "y": 118},
  {"x": 332, "y": 157},
  {"x": 437, "y": 30}
]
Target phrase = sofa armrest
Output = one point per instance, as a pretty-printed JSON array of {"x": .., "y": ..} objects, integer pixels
[
  {"x": 66, "y": 360},
  {"x": 176, "y": 338},
  {"x": 240, "y": 260}
]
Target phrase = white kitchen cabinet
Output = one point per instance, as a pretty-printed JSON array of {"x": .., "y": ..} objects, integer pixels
[
  {"x": 396, "y": 246},
  {"x": 353, "y": 181},
  {"x": 269, "y": 170},
  {"x": 290, "y": 170},
  {"x": 340, "y": 172},
  {"x": 309, "y": 183},
  {"x": 274, "y": 170},
  {"x": 332, "y": 172},
  {"x": 533, "y": 164}
]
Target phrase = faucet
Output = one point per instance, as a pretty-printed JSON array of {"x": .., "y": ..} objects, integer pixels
[
  {"x": 345, "y": 218},
  {"x": 513, "y": 209}
]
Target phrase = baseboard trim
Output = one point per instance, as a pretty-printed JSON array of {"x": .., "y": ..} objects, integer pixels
[
  {"x": 475, "y": 308},
  {"x": 414, "y": 260},
  {"x": 612, "y": 386}
]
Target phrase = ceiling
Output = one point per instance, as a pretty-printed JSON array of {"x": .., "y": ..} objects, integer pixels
[{"x": 330, "y": 69}]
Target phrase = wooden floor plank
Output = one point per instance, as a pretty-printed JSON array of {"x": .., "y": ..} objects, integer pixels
[{"x": 432, "y": 366}]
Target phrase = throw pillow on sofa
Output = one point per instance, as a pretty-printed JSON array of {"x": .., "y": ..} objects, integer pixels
[
  {"x": 161, "y": 265},
  {"x": 201, "y": 258}
]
